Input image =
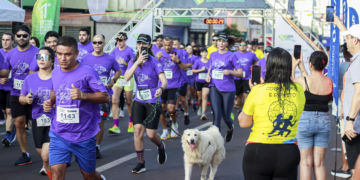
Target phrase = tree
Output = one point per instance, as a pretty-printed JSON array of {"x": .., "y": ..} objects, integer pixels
[{"x": 233, "y": 31}]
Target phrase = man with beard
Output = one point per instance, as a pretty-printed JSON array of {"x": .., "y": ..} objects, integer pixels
[
  {"x": 19, "y": 60},
  {"x": 85, "y": 45},
  {"x": 159, "y": 44}
]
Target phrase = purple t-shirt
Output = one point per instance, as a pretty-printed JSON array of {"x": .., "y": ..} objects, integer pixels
[
  {"x": 35, "y": 67},
  {"x": 8, "y": 85},
  {"x": 262, "y": 63},
  {"x": 192, "y": 60},
  {"x": 147, "y": 76},
  {"x": 3, "y": 63},
  {"x": 103, "y": 66},
  {"x": 184, "y": 59},
  {"x": 220, "y": 62},
  {"x": 84, "y": 49},
  {"x": 19, "y": 63},
  {"x": 200, "y": 77},
  {"x": 127, "y": 54},
  {"x": 246, "y": 60},
  {"x": 171, "y": 69},
  {"x": 76, "y": 120},
  {"x": 155, "y": 49},
  {"x": 41, "y": 90}
]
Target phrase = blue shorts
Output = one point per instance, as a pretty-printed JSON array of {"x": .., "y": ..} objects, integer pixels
[
  {"x": 191, "y": 81},
  {"x": 313, "y": 130},
  {"x": 60, "y": 151}
]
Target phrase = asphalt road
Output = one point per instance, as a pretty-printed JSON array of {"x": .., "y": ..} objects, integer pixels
[{"x": 119, "y": 156}]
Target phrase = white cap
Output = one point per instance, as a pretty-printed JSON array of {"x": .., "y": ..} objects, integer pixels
[{"x": 353, "y": 31}]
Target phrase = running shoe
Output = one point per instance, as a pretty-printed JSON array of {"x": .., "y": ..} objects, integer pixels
[
  {"x": 12, "y": 137},
  {"x": 42, "y": 171},
  {"x": 174, "y": 128},
  {"x": 203, "y": 117},
  {"x": 131, "y": 127},
  {"x": 165, "y": 135},
  {"x": 114, "y": 130},
  {"x": 199, "y": 112},
  {"x": 186, "y": 120},
  {"x": 5, "y": 141},
  {"x": 162, "y": 155},
  {"x": 98, "y": 153},
  {"x": 2, "y": 122},
  {"x": 23, "y": 160},
  {"x": 121, "y": 114},
  {"x": 140, "y": 167},
  {"x": 194, "y": 107},
  {"x": 229, "y": 134},
  {"x": 341, "y": 174}
]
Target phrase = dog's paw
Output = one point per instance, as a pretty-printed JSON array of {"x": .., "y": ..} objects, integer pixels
[{"x": 203, "y": 177}]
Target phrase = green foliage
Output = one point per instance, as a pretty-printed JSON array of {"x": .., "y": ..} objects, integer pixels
[{"x": 233, "y": 31}]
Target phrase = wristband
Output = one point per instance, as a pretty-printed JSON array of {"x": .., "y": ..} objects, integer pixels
[{"x": 162, "y": 89}]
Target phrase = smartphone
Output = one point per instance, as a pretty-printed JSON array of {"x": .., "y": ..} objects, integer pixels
[
  {"x": 297, "y": 51},
  {"x": 174, "y": 53},
  {"x": 255, "y": 74},
  {"x": 346, "y": 139},
  {"x": 144, "y": 49},
  {"x": 330, "y": 13}
]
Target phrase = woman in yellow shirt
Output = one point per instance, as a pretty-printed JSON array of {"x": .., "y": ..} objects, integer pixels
[{"x": 274, "y": 108}]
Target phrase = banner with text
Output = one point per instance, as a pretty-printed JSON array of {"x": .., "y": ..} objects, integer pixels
[{"x": 45, "y": 17}]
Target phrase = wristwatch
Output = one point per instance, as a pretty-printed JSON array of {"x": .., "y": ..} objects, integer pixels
[
  {"x": 162, "y": 89},
  {"x": 179, "y": 62},
  {"x": 350, "y": 119}
]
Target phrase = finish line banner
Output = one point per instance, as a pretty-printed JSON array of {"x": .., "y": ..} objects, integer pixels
[{"x": 45, "y": 17}]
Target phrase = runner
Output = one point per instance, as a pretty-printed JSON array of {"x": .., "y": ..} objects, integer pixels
[
  {"x": 213, "y": 47},
  {"x": 159, "y": 44},
  {"x": 200, "y": 68},
  {"x": 249, "y": 47},
  {"x": 259, "y": 53},
  {"x": 19, "y": 60},
  {"x": 85, "y": 45},
  {"x": 262, "y": 62},
  {"x": 191, "y": 76},
  {"x": 103, "y": 64},
  {"x": 123, "y": 54},
  {"x": 173, "y": 66},
  {"x": 147, "y": 71},
  {"x": 74, "y": 128},
  {"x": 35, "y": 90},
  {"x": 222, "y": 86},
  {"x": 246, "y": 59},
  {"x": 51, "y": 38},
  {"x": 5, "y": 88}
]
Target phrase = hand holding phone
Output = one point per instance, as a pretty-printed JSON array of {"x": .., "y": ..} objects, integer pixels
[
  {"x": 144, "y": 50},
  {"x": 297, "y": 51},
  {"x": 256, "y": 74},
  {"x": 330, "y": 10}
]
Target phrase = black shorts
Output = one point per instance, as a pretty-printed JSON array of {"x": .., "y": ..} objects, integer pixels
[
  {"x": 40, "y": 134},
  {"x": 198, "y": 86},
  {"x": 169, "y": 95},
  {"x": 4, "y": 99},
  {"x": 242, "y": 86},
  {"x": 18, "y": 109},
  {"x": 353, "y": 151},
  {"x": 183, "y": 90},
  {"x": 105, "y": 111},
  {"x": 141, "y": 111}
]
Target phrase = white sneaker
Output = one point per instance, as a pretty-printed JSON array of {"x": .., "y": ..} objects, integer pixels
[
  {"x": 199, "y": 112},
  {"x": 165, "y": 134},
  {"x": 43, "y": 171},
  {"x": 2, "y": 122},
  {"x": 121, "y": 114},
  {"x": 103, "y": 177},
  {"x": 175, "y": 127}
]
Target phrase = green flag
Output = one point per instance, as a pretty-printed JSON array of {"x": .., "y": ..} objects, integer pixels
[{"x": 45, "y": 17}]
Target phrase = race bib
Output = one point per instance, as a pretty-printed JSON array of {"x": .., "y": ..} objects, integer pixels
[
  {"x": 67, "y": 115},
  {"x": 122, "y": 82},
  {"x": 18, "y": 84},
  {"x": 189, "y": 72},
  {"x": 168, "y": 74},
  {"x": 43, "y": 120},
  {"x": 144, "y": 95},
  {"x": 202, "y": 76},
  {"x": 104, "y": 80},
  {"x": 217, "y": 74}
]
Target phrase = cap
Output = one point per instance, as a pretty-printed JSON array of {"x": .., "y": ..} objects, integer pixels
[
  {"x": 144, "y": 38},
  {"x": 223, "y": 36},
  {"x": 122, "y": 36},
  {"x": 203, "y": 49},
  {"x": 353, "y": 31},
  {"x": 269, "y": 48}
]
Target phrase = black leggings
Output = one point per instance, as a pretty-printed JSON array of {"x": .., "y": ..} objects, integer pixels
[
  {"x": 122, "y": 100},
  {"x": 222, "y": 104},
  {"x": 40, "y": 134},
  {"x": 271, "y": 161}
]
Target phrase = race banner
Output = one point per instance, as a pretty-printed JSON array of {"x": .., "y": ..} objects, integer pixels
[
  {"x": 333, "y": 72},
  {"x": 45, "y": 17},
  {"x": 354, "y": 10},
  {"x": 345, "y": 13}
]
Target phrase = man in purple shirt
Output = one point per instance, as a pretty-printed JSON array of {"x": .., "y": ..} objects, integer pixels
[
  {"x": 19, "y": 60},
  {"x": 7, "y": 42},
  {"x": 246, "y": 59},
  {"x": 103, "y": 64},
  {"x": 73, "y": 130},
  {"x": 85, "y": 45},
  {"x": 159, "y": 44}
]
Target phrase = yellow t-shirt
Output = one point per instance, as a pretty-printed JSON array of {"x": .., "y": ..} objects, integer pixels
[
  {"x": 275, "y": 122},
  {"x": 259, "y": 54},
  {"x": 210, "y": 50}
]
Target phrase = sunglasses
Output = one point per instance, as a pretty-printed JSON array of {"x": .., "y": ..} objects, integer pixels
[
  {"x": 97, "y": 42},
  {"x": 44, "y": 57},
  {"x": 23, "y": 35},
  {"x": 242, "y": 44},
  {"x": 214, "y": 39}
]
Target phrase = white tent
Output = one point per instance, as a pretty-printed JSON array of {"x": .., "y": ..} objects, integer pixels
[{"x": 11, "y": 12}]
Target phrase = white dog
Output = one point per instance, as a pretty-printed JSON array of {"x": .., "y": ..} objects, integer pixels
[{"x": 204, "y": 149}]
